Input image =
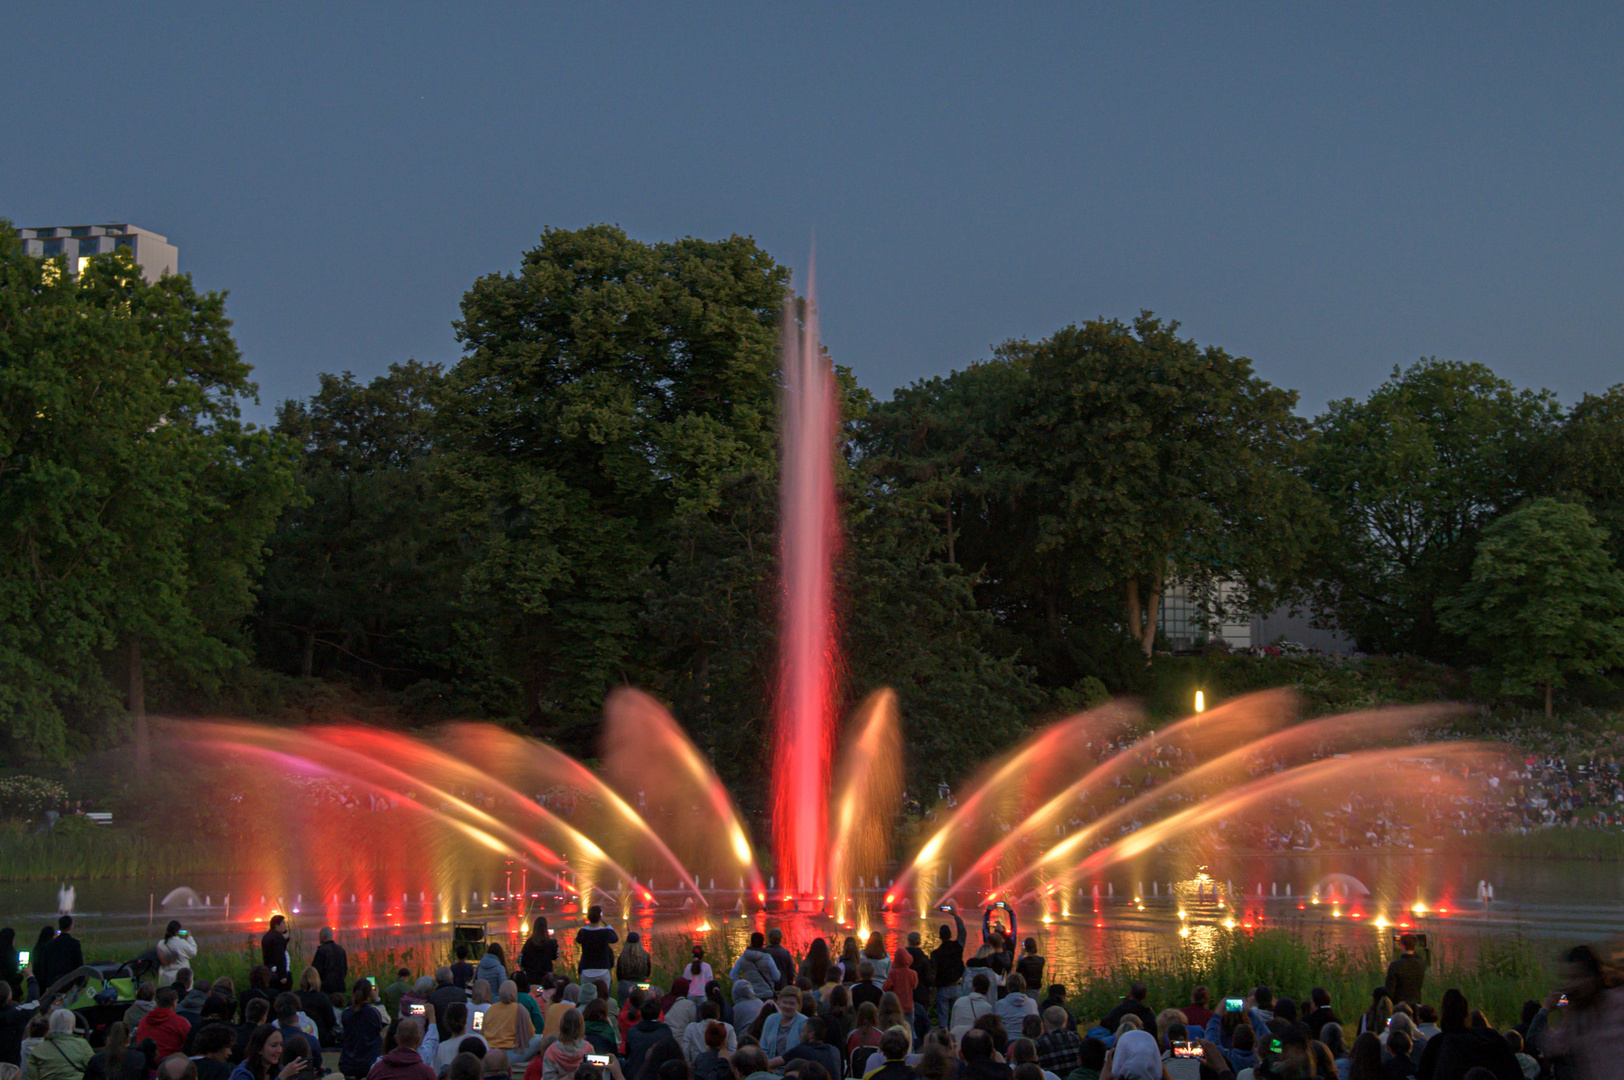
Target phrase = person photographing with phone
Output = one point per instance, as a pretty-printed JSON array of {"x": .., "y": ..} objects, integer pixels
[
  {"x": 947, "y": 961},
  {"x": 176, "y": 950}
]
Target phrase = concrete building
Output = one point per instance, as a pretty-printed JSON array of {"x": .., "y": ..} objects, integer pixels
[
  {"x": 1191, "y": 617},
  {"x": 154, "y": 254}
]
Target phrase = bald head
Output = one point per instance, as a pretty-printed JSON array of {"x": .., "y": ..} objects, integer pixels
[{"x": 177, "y": 1067}]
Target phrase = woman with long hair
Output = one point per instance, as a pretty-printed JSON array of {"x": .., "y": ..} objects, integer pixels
[
  {"x": 838, "y": 1014},
  {"x": 849, "y": 959},
  {"x": 868, "y": 1031},
  {"x": 318, "y": 1006},
  {"x": 1365, "y": 1058},
  {"x": 817, "y": 963},
  {"x": 492, "y": 966},
  {"x": 539, "y": 953},
  {"x": 565, "y": 1053},
  {"x": 874, "y": 952},
  {"x": 117, "y": 1060},
  {"x": 699, "y": 973},
  {"x": 262, "y": 1060},
  {"x": 363, "y": 1024},
  {"x": 176, "y": 950}
]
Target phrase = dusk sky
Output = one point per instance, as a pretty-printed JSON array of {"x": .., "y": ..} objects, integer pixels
[{"x": 1330, "y": 190}]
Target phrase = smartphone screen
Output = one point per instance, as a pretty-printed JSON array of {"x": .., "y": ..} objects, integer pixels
[
  {"x": 419, "y": 1010},
  {"x": 479, "y": 1021},
  {"x": 1183, "y": 1049},
  {"x": 22, "y": 957},
  {"x": 600, "y": 1060},
  {"x": 643, "y": 986},
  {"x": 1234, "y": 1004},
  {"x": 1561, "y": 1001},
  {"x": 945, "y": 908}
]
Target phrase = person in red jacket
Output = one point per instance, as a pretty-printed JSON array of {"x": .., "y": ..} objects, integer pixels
[
  {"x": 166, "y": 1028},
  {"x": 403, "y": 1062},
  {"x": 902, "y": 980}
]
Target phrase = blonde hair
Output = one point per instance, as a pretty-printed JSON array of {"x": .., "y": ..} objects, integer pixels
[
  {"x": 310, "y": 979},
  {"x": 1166, "y": 1019}
]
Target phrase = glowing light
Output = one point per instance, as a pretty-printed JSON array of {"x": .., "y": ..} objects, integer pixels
[
  {"x": 889, "y": 898},
  {"x": 1184, "y": 931},
  {"x": 1418, "y": 909},
  {"x": 1380, "y": 923},
  {"x": 1229, "y": 924},
  {"x": 1182, "y": 915},
  {"x": 1200, "y": 702}
]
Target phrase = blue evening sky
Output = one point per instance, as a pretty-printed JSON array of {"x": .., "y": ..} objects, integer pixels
[{"x": 1329, "y": 189}]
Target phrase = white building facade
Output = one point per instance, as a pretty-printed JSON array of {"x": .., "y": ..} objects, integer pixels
[{"x": 154, "y": 254}]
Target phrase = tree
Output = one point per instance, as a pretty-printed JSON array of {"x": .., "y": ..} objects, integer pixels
[
  {"x": 609, "y": 389},
  {"x": 1410, "y": 476},
  {"x": 1078, "y": 475},
  {"x": 1588, "y": 462},
  {"x": 363, "y": 579},
  {"x": 1545, "y": 600},
  {"x": 135, "y": 502}
]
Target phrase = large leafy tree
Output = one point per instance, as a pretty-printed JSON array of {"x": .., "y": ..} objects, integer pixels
[
  {"x": 1545, "y": 600},
  {"x": 1079, "y": 475},
  {"x": 364, "y": 581},
  {"x": 134, "y": 502},
  {"x": 610, "y": 390},
  {"x": 1410, "y": 476}
]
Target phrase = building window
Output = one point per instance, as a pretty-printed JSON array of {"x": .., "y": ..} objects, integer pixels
[
  {"x": 44, "y": 232},
  {"x": 53, "y": 247},
  {"x": 82, "y": 230}
]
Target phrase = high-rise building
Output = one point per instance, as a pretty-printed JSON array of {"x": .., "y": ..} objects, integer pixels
[{"x": 154, "y": 254}]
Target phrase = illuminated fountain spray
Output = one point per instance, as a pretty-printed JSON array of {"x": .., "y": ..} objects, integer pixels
[{"x": 804, "y": 708}]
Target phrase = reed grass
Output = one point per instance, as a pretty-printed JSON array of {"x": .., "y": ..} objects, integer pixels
[
  {"x": 79, "y": 851},
  {"x": 1501, "y": 973}
]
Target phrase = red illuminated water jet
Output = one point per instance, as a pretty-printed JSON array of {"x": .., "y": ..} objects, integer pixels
[{"x": 804, "y": 708}]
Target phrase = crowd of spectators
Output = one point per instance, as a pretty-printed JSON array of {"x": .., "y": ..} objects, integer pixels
[{"x": 874, "y": 1010}]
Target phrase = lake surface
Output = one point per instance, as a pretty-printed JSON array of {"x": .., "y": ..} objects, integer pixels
[{"x": 1551, "y": 902}]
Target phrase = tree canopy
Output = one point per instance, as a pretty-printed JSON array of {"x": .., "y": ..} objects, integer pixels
[
  {"x": 1545, "y": 600},
  {"x": 135, "y": 502},
  {"x": 587, "y": 497}
]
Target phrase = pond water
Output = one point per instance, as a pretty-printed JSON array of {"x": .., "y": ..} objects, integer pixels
[{"x": 1551, "y": 902}]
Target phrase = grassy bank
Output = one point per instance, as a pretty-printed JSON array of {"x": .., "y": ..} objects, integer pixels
[
  {"x": 1501, "y": 975},
  {"x": 78, "y": 851},
  {"x": 1553, "y": 843}
]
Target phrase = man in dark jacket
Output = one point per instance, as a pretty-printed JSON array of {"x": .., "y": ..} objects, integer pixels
[
  {"x": 1132, "y": 1005},
  {"x": 786, "y": 963},
  {"x": 947, "y": 963},
  {"x": 1406, "y": 973},
  {"x": 814, "y": 1046},
  {"x": 273, "y": 953},
  {"x": 445, "y": 994},
  {"x": 1323, "y": 1013},
  {"x": 642, "y": 1036},
  {"x": 61, "y": 955},
  {"x": 332, "y": 964}
]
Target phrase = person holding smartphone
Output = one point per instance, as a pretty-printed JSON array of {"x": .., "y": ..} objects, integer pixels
[
  {"x": 947, "y": 962},
  {"x": 176, "y": 950}
]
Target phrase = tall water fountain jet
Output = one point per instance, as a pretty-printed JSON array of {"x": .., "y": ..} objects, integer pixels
[{"x": 808, "y": 655}]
